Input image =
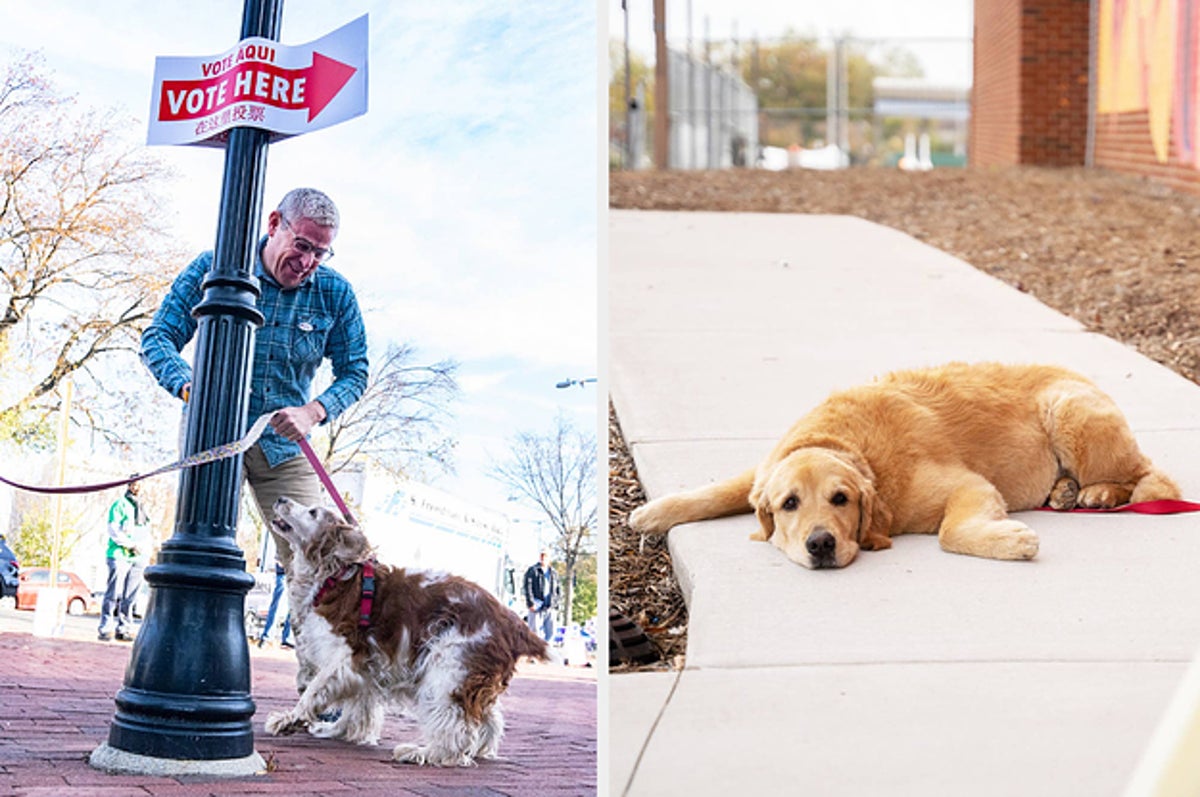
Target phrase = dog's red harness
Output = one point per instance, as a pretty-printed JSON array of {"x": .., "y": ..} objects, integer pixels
[{"x": 368, "y": 590}]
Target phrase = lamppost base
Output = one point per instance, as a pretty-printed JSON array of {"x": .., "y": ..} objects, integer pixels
[{"x": 118, "y": 762}]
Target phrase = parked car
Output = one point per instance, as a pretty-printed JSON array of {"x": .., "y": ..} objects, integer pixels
[
  {"x": 10, "y": 570},
  {"x": 34, "y": 579},
  {"x": 588, "y": 634}
]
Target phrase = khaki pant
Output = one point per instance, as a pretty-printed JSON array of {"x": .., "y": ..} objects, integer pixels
[{"x": 293, "y": 478}]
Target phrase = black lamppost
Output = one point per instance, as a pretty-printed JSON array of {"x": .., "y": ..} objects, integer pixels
[{"x": 186, "y": 696}]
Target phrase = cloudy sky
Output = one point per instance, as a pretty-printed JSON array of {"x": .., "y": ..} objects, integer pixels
[{"x": 468, "y": 191}]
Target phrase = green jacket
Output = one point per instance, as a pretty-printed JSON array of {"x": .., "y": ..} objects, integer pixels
[{"x": 124, "y": 532}]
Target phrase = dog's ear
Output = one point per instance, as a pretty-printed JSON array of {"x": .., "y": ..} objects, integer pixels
[
  {"x": 351, "y": 544},
  {"x": 762, "y": 510},
  {"x": 874, "y": 517}
]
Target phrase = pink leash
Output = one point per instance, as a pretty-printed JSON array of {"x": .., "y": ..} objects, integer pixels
[{"x": 323, "y": 475}]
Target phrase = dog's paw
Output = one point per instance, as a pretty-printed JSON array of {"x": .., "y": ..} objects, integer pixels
[
  {"x": 650, "y": 519},
  {"x": 1013, "y": 540},
  {"x": 324, "y": 730},
  {"x": 282, "y": 723},
  {"x": 410, "y": 754},
  {"x": 1104, "y": 496},
  {"x": 992, "y": 539},
  {"x": 422, "y": 755},
  {"x": 1065, "y": 494},
  {"x": 347, "y": 732}
]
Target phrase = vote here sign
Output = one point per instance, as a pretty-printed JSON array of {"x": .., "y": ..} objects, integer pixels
[{"x": 261, "y": 83}]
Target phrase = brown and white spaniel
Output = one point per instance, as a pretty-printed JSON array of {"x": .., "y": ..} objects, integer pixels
[{"x": 371, "y": 636}]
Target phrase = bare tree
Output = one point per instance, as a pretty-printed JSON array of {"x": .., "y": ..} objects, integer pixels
[
  {"x": 399, "y": 423},
  {"x": 83, "y": 258},
  {"x": 556, "y": 472}
]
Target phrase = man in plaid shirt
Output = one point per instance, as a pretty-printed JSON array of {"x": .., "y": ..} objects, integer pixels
[{"x": 310, "y": 313}]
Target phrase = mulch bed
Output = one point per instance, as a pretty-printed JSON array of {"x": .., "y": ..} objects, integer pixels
[
  {"x": 641, "y": 580},
  {"x": 1119, "y": 254}
]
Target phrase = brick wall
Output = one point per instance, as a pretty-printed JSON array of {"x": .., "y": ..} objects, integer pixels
[
  {"x": 1123, "y": 139},
  {"x": 1030, "y": 88},
  {"x": 1055, "y": 39},
  {"x": 994, "y": 137},
  {"x": 1030, "y": 96},
  {"x": 1123, "y": 144}
]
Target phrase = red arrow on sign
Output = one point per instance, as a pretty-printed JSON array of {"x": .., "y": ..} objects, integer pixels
[
  {"x": 326, "y": 77},
  {"x": 311, "y": 88}
]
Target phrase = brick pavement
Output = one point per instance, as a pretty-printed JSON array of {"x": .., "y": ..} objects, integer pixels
[{"x": 56, "y": 701}]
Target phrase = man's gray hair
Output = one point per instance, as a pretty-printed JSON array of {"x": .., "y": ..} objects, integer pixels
[{"x": 311, "y": 204}]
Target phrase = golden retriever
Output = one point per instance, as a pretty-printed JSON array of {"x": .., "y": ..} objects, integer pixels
[
  {"x": 948, "y": 450},
  {"x": 431, "y": 643}
]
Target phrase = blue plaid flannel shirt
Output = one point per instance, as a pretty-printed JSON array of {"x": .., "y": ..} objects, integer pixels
[{"x": 301, "y": 327}]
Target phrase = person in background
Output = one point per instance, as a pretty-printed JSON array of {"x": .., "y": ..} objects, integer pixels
[
  {"x": 128, "y": 540},
  {"x": 540, "y": 590},
  {"x": 287, "y": 621}
]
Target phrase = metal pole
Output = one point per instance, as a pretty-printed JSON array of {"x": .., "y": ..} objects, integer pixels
[
  {"x": 764, "y": 131},
  {"x": 1089, "y": 144},
  {"x": 709, "y": 99},
  {"x": 733, "y": 106},
  {"x": 831, "y": 115},
  {"x": 843, "y": 97},
  {"x": 691, "y": 100},
  {"x": 187, "y": 686},
  {"x": 637, "y": 145},
  {"x": 628, "y": 94}
]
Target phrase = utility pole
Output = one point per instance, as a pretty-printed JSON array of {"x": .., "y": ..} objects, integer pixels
[{"x": 661, "y": 89}]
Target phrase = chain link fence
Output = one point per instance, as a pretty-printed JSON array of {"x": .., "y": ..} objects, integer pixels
[{"x": 818, "y": 103}]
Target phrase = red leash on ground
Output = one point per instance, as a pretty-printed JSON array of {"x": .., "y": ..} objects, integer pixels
[{"x": 1165, "y": 506}]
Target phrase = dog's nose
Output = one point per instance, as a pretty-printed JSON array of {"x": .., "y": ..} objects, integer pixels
[{"x": 820, "y": 545}]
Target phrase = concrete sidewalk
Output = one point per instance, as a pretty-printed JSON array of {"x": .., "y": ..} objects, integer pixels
[
  {"x": 56, "y": 702},
  {"x": 913, "y": 671}
]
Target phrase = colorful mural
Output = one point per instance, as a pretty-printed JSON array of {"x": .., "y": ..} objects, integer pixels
[
  {"x": 1185, "y": 119},
  {"x": 1147, "y": 61}
]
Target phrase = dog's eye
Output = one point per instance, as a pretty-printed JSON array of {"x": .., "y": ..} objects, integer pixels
[
  {"x": 790, "y": 504},
  {"x": 312, "y": 512},
  {"x": 839, "y": 498}
]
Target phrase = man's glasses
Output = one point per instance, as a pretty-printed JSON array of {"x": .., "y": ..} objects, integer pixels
[{"x": 305, "y": 246}]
